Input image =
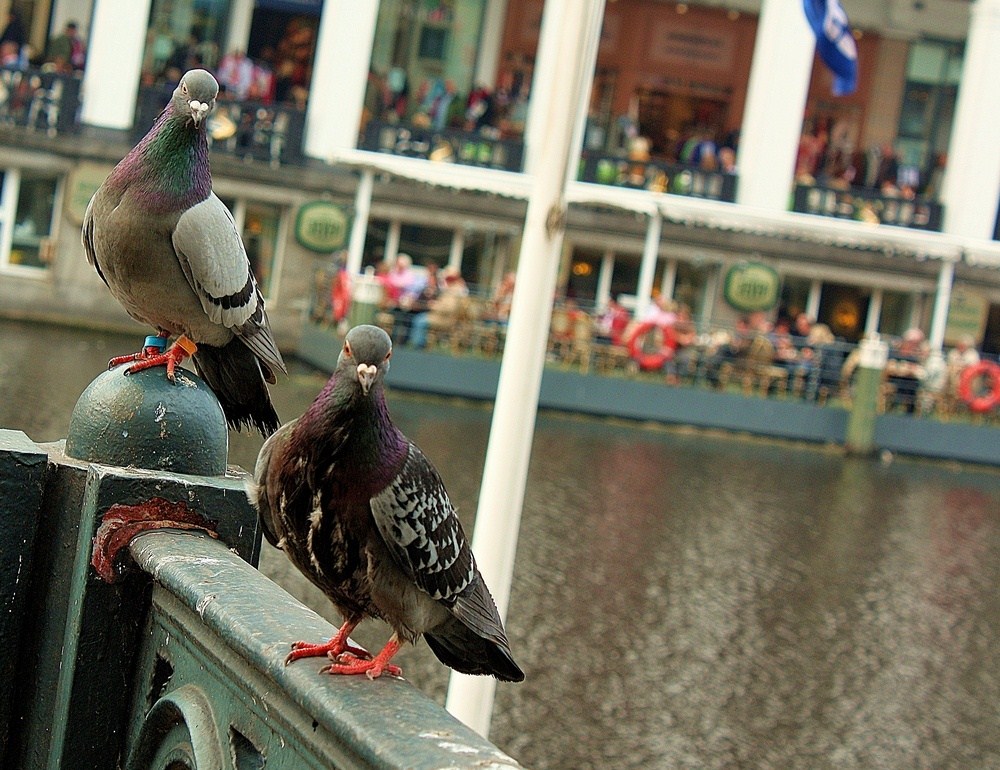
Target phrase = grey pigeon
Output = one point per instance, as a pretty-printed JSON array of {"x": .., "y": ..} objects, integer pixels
[
  {"x": 365, "y": 516},
  {"x": 170, "y": 253}
]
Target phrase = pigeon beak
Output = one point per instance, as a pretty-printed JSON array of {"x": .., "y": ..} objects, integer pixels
[
  {"x": 198, "y": 111},
  {"x": 366, "y": 376}
]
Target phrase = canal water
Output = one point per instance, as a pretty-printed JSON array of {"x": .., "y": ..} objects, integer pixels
[{"x": 685, "y": 600}]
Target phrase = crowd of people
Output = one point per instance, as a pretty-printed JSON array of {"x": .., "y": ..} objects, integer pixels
[
  {"x": 788, "y": 355},
  {"x": 437, "y": 103},
  {"x": 65, "y": 54},
  {"x": 277, "y": 74},
  {"x": 432, "y": 299},
  {"x": 826, "y": 157}
]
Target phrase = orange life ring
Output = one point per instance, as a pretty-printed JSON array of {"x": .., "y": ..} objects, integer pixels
[
  {"x": 991, "y": 397},
  {"x": 650, "y": 362}
]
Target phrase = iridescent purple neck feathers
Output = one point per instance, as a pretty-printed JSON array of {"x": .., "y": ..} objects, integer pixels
[{"x": 168, "y": 170}]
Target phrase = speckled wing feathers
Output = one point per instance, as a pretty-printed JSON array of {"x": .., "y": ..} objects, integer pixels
[{"x": 418, "y": 523}]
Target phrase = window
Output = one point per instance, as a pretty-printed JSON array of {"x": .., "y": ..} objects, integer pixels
[
  {"x": 933, "y": 72},
  {"x": 27, "y": 209},
  {"x": 261, "y": 225}
]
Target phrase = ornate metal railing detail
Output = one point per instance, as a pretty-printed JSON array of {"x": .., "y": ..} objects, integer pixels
[
  {"x": 657, "y": 176},
  {"x": 445, "y": 145},
  {"x": 39, "y": 100},
  {"x": 868, "y": 206}
]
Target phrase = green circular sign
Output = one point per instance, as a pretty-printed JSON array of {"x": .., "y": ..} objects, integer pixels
[
  {"x": 752, "y": 286},
  {"x": 321, "y": 226}
]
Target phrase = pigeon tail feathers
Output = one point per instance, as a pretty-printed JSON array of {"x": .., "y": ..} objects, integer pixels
[
  {"x": 235, "y": 376},
  {"x": 462, "y": 649}
]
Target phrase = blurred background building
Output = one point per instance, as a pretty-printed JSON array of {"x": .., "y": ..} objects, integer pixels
[{"x": 717, "y": 167}]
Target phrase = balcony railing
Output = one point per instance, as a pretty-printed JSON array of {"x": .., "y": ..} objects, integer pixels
[
  {"x": 657, "y": 176},
  {"x": 271, "y": 133},
  {"x": 868, "y": 206},
  {"x": 39, "y": 100},
  {"x": 446, "y": 145}
]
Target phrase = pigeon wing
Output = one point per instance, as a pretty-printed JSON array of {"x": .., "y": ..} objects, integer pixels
[
  {"x": 214, "y": 261},
  {"x": 260, "y": 490},
  {"x": 419, "y": 524},
  {"x": 87, "y": 236}
]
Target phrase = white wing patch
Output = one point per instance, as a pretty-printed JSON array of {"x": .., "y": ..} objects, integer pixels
[{"x": 215, "y": 262}]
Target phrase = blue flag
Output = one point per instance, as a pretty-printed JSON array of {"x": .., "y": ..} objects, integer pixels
[{"x": 834, "y": 43}]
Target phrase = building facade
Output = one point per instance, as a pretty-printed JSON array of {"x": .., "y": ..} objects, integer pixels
[{"x": 716, "y": 167}]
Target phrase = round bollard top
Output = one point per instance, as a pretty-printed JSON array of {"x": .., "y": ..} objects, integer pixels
[{"x": 145, "y": 421}]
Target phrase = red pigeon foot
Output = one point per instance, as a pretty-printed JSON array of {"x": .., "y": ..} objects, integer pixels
[
  {"x": 338, "y": 645},
  {"x": 175, "y": 354},
  {"x": 154, "y": 345},
  {"x": 345, "y": 663}
]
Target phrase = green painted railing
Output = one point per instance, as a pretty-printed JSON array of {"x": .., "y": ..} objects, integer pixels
[{"x": 165, "y": 649}]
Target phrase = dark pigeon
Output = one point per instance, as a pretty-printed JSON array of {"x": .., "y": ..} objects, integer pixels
[
  {"x": 365, "y": 516},
  {"x": 169, "y": 250}
]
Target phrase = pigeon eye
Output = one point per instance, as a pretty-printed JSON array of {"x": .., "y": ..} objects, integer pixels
[
  {"x": 347, "y": 349},
  {"x": 388, "y": 355}
]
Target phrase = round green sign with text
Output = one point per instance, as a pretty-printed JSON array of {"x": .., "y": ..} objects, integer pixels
[
  {"x": 752, "y": 286},
  {"x": 321, "y": 226}
]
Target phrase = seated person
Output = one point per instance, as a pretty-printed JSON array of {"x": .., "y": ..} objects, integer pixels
[{"x": 444, "y": 311}]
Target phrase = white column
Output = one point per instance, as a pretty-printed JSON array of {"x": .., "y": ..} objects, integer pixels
[
  {"x": 359, "y": 227},
  {"x": 776, "y": 101},
  {"x": 544, "y": 84},
  {"x": 490, "y": 43},
  {"x": 238, "y": 33},
  {"x": 874, "y": 312},
  {"x": 942, "y": 299},
  {"x": 971, "y": 186},
  {"x": 501, "y": 496},
  {"x": 813, "y": 300},
  {"x": 669, "y": 279},
  {"x": 392, "y": 240},
  {"x": 340, "y": 76},
  {"x": 647, "y": 268},
  {"x": 604, "y": 277},
  {"x": 114, "y": 62},
  {"x": 457, "y": 249},
  {"x": 711, "y": 292}
]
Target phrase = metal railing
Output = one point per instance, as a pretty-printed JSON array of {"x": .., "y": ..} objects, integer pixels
[
  {"x": 36, "y": 99},
  {"x": 447, "y": 145},
  {"x": 868, "y": 206},
  {"x": 249, "y": 130},
  {"x": 657, "y": 176}
]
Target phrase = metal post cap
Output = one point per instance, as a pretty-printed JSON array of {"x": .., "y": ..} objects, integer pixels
[{"x": 145, "y": 421}]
